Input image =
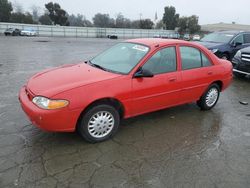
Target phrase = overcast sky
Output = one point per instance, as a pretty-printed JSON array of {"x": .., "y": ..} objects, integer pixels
[{"x": 209, "y": 11}]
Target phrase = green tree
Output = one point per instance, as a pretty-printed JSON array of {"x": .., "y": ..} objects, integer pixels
[
  {"x": 136, "y": 24},
  {"x": 122, "y": 22},
  {"x": 189, "y": 24},
  {"x": 79, "y": 20},
  {"x": 19, "y": 17},
  {"x": 146, "y": 24},
  {"x": 170, "y": 18},
  {"x": 193, "y": 24},
  {"x": 142, "y": 24},
  {"x": 103, "y": 20},
  {"x": 57, "y": 14},
  {"x": 45, "y": 20},
  {"x": 159, "y": 25},
  {"x": 5, "y": 10},
  {"x": 183, "y": 25}
]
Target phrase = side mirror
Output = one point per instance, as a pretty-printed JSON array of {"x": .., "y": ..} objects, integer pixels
[
  {"x": 237, "y": 44},
  {"x": 143, "y": 73}
]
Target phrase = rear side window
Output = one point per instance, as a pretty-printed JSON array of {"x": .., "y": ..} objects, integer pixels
[
  {"x": 205, "y": 61},
  {"x": 192, "y": 58},
  {"x": 246, "y": 38}
]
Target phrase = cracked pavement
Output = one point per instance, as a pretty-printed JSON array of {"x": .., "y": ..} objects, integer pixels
[{"x": 176, "y": 147}]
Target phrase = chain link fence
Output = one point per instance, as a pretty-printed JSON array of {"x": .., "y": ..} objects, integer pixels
[{"x": 86, "y": 32}]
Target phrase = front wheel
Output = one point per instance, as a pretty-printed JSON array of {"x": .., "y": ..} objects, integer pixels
[
  {"x": 99, "y": 123},
  {"x": 209, "y": 99},
  {"x": 225, "y": 56}
]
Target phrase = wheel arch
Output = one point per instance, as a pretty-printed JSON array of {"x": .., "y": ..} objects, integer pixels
[
  {"x": 109, "y": 101},
  {"x": 219, "y": 83},
  {"x": 227, "y": 53}
]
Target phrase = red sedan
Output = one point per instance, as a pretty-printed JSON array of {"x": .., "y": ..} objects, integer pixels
[{"x": 131, "y": 78}]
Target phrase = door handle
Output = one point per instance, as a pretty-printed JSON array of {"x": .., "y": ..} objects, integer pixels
[
  {"x": 210, "y": 73},
  {"x": 173, "y": 79}
]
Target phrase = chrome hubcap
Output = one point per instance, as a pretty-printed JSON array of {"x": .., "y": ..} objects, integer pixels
[
  {"x": 212, "y": 97},
  {"x": 101, "y": 124}
]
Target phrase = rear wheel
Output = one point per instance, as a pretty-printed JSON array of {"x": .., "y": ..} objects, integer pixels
[
  {"x": 209, "y": 99},
  {"x": 99, "y": 123}
]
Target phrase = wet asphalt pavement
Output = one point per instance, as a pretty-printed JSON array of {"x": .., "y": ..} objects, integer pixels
[{"x": 177, "y": 147}]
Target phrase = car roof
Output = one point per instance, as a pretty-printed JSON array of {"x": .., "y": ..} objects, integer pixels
[
  {"x": 157, "y": 41},
  {"x": 234, "y": 32}
]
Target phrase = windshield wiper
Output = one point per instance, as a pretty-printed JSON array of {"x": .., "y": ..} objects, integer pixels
[
  {"x": 100, "y": 67},
  {"x": 96, "y": 65}
]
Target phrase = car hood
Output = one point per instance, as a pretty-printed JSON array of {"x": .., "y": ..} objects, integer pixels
[
  {"x": 54, "y": 81},
  {"x": 210, "y": 45},
  {"x": 245, "y": 50}
]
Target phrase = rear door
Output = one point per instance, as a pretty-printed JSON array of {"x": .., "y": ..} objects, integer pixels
[{"x": 197, "y": 72}]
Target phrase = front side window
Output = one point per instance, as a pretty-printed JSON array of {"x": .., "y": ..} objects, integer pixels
[
  {"x": 193, "y": 58},
  {"x": 247, "y": 38},
  {"x": 121, "y": 58},
  {"x": 239, "y": 39},
  {"x": 162, "y": 61}
]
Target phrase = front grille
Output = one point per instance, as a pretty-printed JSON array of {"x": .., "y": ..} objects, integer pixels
[{"x": 245, "y": 57}]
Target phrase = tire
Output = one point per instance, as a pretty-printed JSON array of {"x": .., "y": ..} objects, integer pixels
[
  {"x": 209, "y": 99},
  {"x": 225, "y": 56},
  {"x": 99, "y": 123},
  {"x": 239, "y": 75}
]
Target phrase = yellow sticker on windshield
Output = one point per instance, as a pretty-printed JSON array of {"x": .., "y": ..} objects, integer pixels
[{"x": 141, "y": 48}]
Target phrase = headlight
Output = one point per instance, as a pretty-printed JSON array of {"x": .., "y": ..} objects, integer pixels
[
  {"x": 48, "y": 104},
  {"x": 238, "y": 54},
  {"x": 214, "y": 50}
]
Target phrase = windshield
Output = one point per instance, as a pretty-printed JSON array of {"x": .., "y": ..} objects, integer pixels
[
  {"x": 218, "y": 37},
  {"x": 121, "y": 58}
]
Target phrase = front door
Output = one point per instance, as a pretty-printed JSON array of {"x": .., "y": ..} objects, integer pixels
[{"x": 163, "y": 89}]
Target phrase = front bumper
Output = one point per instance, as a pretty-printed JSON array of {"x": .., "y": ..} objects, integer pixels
[
  {"x": 62, "y": 120},
  {"x": 240, "y": 67},
  {"x": 242, "y": 72}
]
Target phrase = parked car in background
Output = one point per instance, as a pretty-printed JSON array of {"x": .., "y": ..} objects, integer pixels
[
  {"x": 165, "y": 36},
  {"x": 241, "y": 63},
  {"x": 28, "y": 32},
  {"x": 196, "y": 38},
  {"x": 175, "y": 36},
  {"x": 171, "y": 36},
  {"x": 157, "y": 36},
  {"x": 131, "y": 78},
  {"x": 187, "y": 37},
  {"x": 112, "y": 36},
  {"x": 225, "y": 44},
  {"x": 12, "y": 32}
]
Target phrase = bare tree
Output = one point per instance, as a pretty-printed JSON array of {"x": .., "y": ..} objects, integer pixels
[{"x": 36, "y": 12}]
